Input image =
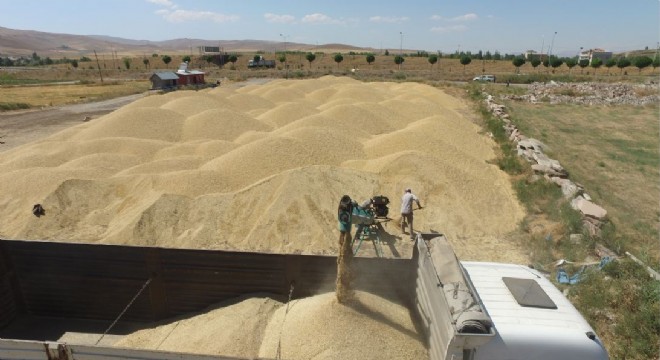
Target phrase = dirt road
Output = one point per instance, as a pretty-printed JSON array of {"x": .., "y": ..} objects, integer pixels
[{"x": 24, "y": 126}]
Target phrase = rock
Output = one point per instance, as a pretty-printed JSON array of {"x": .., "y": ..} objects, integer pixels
[
  {"x": 533, "y": 144},
  {"x": 591, "y": 229},
  {"x": 586, "y": 196},
  {"x": 543, "y": 169},
  {"x": 589, "y": 209},
  {"x": 568, "y": 188},
  {"x": 576, "y": 238},
  {"x": 575, "y": 201},
  {"x": 513, "y": 135},
  {"x": 542, "y": 159}
]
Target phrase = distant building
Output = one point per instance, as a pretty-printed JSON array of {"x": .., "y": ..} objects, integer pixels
[
  {"x": 164, "y": 80},
  {"x": 189, "y": 77},
  {"x": 182, "y": 77},
  {"x": 531, "y": 55},
  {"x": 207, "y": 50},
  {"x": 595, "y": 54}
]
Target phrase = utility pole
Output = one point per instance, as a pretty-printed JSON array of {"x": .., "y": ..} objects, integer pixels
[
  {"x": 99, "y": 66},
  {"x": 286, "y": 64},
  {"x": 401, "y": 44},
  {"x": 552, "y": 45}
]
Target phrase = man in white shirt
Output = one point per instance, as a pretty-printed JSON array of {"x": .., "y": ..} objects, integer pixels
[{"x": 407, "y": 211}]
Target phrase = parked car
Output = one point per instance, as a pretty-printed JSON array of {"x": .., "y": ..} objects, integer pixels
[{"x": 490, "y": 78}]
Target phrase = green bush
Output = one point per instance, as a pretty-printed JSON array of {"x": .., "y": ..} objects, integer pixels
[
  {"x": 399, "y": 76},
  {"x": 623, "y": 299},
  {"x": 7, "y": 106}
]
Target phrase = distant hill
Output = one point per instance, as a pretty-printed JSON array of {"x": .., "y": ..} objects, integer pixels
[{"x": 25, "y": 42}]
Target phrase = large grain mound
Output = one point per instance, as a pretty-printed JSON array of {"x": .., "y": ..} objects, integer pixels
[
  {"x": 261, "y": 168},
  {"x": 317, "y": 327}
]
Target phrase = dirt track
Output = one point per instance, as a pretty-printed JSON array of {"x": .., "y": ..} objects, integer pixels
[{"x": 24, "y": 126}]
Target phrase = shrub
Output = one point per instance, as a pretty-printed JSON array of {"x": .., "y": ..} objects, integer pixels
[{"x": 7, "y": 106}]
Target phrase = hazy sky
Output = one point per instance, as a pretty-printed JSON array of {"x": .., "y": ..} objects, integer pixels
[{"x": 507, "y": 26}]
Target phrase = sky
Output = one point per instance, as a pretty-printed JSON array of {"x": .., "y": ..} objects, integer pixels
[{"x": 509, "y": 26}]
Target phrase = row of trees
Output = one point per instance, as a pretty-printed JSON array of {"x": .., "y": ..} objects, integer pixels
[
  {"x": 640, "y": 62},
  {"x": 465, "y": 59}
]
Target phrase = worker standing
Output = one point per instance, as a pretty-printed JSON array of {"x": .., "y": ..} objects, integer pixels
[{"x": 407, "y": 211}]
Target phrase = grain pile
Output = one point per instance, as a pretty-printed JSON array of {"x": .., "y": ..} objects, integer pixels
[
  {"x": 313, "y": 328},
  {"x": 261, "y": 168}
]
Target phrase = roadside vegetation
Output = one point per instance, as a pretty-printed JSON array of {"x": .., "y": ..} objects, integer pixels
[{"x": 612, "y": 152}]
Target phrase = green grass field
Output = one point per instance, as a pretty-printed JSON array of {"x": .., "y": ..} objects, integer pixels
[{"x": 613, "y": 152}]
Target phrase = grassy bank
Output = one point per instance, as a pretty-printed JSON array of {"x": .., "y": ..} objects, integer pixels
[
  {"x": 612, "y": 152},
  {"x": 54, "y": 95}
]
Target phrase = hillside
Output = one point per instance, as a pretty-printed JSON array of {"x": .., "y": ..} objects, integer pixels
[{"x": 25, "y": 42}]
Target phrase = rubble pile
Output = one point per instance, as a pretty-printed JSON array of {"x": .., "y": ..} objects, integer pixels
[
  {"x": 532, "y": 150},
  {"x": 590, "y": 93}
]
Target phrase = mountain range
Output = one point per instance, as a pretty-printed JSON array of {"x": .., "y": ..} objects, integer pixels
[{"x": 25, "y": 42}]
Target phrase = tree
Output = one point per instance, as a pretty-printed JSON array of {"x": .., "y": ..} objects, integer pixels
[
  {"x": 370, "y": 58},
  {"x": 465, "y": 60},
  {"x": 74, "y": 63},
  {"x": 555, "y": 62},
  {"x": 166, "y": 59},
  {"x": 387, "y": 52},
  {"x": 398, "y": 59},
  {"x": 282, "y": 58},
  {"x": 535, "y": 62},
  {"x": 432, "y": 60},
  {"x": 145, "y": 61},
  {"x": 338, "y": 58},
  {"x": 209, "y": 59},
  {"x": 186, "y": 59},
  {"x": 127, "y": 62},
  {"x": 497, "y": 56},
  {"x": 596, "y": 63},
  {"x": 570, "y": 63},
  {"x": 518, "y": 62},
  {"x": 256, "y": 58},
  {"x": 583, "y": 64},
  {"x": 622, "y": 63},
  {"x": 641, "y": 62},
  {"x": 609, "y": 64},
  {"x": 233, "y": 59},
  {"x": 310, "y": 57}
]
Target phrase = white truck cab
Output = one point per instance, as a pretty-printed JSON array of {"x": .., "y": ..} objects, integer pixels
[
  {"x": 483, "y": 310},
  {"x": 532, "y": 318}
]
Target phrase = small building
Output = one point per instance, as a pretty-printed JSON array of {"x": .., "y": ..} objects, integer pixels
[
  {"x": 531, "y": 55},
  {"x": 164, "y": 80},
  {"x": 189, "y": 77},
  {"x": 182, "y": 77},
  {"x": 595, "y": 54}
]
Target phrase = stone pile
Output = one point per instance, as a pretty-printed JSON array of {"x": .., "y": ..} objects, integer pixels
[
  {"x": 532, "y": 150},
  {"x": 590, "y": 93}
]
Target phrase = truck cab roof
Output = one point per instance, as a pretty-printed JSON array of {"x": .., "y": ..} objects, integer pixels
[{"x": 533, "y": 319}]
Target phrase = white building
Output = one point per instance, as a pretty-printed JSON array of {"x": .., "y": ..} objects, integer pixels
[{"x": 595, "y": 53}]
